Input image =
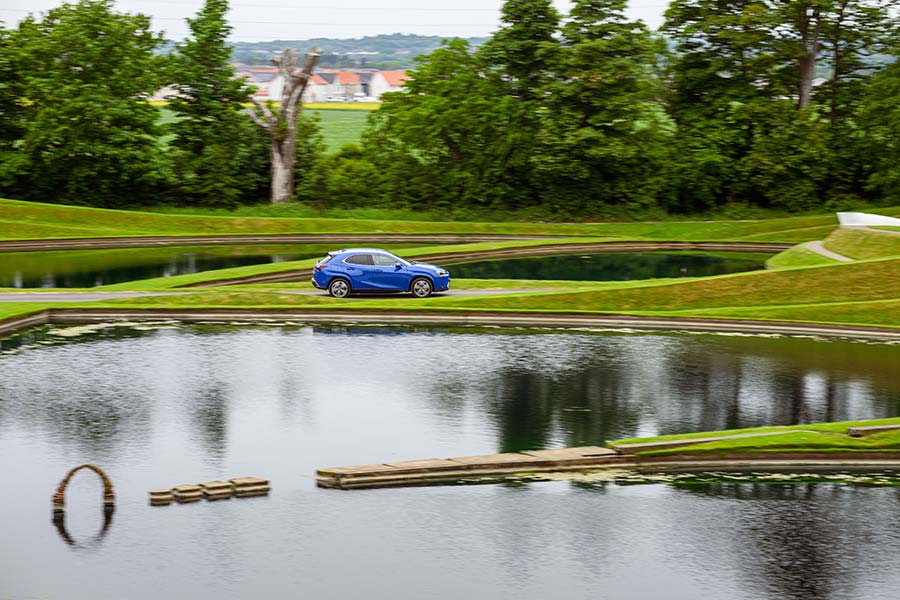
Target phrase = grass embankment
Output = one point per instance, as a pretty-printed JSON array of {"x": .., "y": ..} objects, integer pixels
[
  {"x": 861, "y": 244},
  {"x": 822, "y": 437},
  {"x": 798, "y": 256},
  {"x": 840, "y": 294},
  {"x": 32, "y": 220}
]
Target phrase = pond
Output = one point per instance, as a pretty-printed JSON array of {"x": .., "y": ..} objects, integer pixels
[
  {"x": 613, "y": 266},
  {"x": 158, "y": 406},
  {"x": 92, "y": 268}
]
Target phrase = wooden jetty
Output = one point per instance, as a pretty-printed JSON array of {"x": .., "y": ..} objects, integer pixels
[
  {"x": 624, "y": 457},
  {"x": 444, "y": 470}
]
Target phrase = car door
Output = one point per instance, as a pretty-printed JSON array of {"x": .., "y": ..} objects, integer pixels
[
  {"x": 387, "y": 276},
  {"x": 360, "y": 269}
]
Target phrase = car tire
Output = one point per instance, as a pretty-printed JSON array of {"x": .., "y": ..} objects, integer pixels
[
  {"x": 421, "y": 287},
  {"x": 339, "y": 288}
]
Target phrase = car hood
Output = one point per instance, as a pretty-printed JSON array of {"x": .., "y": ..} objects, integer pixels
[{"x": 426, "y": 268}]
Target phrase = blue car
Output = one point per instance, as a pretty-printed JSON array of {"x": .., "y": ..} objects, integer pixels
[{"x": 374, "y": 270}]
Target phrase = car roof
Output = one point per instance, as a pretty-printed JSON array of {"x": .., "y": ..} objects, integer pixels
[{"x": 367, "y": 250}]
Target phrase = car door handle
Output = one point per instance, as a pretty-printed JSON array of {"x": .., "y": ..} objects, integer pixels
[{"x": 378, "y": 270}]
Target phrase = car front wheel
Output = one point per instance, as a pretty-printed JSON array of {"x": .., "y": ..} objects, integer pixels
[
  {"x": 339, "y": 288},
  {"x": 421, "y": 288}
]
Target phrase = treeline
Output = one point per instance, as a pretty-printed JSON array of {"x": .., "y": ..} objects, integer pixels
[
  {"x": 595, "y": 114},
  {"x": 775, "y": 104}
]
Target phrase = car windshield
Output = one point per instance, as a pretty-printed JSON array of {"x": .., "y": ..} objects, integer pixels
[{"x": 389, "y": 259}]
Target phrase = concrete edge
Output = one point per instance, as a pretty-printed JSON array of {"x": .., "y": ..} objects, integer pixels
[{"x": 624, "y": 323}]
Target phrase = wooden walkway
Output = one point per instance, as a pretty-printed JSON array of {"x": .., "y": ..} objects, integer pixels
[
  {"x": 450, "y": 470},
  {"x": 491, "y": 467}
]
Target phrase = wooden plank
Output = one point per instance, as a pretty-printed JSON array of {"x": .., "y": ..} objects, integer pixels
[
  {"x": 572, "y": 453},
  {"x": 490, "y": 459}
]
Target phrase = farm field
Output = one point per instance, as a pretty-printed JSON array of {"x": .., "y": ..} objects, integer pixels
[{"x": 341, "y": 123}]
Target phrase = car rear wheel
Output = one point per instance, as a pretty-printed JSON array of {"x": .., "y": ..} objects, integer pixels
[
  {"x": 339, "y": 288},
  {"x": 421, "y": 288}
]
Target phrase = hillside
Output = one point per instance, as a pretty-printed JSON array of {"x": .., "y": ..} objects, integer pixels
[{"x": 387, "y": 51}]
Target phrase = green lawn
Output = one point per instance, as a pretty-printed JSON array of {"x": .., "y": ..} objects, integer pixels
[{"x": 33, "y": 220}]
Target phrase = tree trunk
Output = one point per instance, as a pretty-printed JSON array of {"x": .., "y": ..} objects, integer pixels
[
  {"x": 282, "y": 185},
  {"x": 810, "y": 25},
  {"x": 283, "y": 127}
]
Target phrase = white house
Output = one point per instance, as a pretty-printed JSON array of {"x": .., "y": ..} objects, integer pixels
[{"x": 387, "y": 81}]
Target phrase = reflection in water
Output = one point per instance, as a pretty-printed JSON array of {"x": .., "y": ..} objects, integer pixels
[
  {"x": 59, "y": 522},
  {"x": 161, "y": 407},
  {"x": 612, "y": 266}
]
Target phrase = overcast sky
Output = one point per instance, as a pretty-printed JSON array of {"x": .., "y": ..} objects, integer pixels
[{"x": 254, "y": 20}]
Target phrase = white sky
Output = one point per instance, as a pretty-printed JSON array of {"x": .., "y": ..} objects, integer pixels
[{"x": 255, "y": 20}]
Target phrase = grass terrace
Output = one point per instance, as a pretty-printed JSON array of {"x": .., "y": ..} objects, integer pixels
[
  {"x": 823, "y": 437},
  {"x": 33, "y": 220}
]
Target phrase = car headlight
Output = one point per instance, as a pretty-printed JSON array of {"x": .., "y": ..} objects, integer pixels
[{"x": 441, "y": 272}]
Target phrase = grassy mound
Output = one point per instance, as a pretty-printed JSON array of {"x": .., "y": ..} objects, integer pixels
[{"x": 863, "y": 244}]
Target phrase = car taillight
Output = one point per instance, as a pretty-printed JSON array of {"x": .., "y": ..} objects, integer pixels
[{"x": 320, "y": 267}]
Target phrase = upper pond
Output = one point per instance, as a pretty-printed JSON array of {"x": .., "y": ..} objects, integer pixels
[
  {"x": 162, "y": 406},
  {"x": 92, "y": 268},
  {"x": 613, "y": 266}
]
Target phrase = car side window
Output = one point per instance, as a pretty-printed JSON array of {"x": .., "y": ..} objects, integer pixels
[
  {"x": 359, "y": 259},
  {"x": 383, "y": 260}
]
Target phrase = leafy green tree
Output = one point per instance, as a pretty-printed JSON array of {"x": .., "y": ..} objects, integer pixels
[
  {"x": 220, "y": 157},
  {"x": 89, "y": 136},
  {"x": 880, "y": 128},
  {"x": 604, "y": 135},
  {"x": 723, "y": 67},
  {"x": 10, "y": 113},
  {"x": 456, "y": 122},
  {"x": 526, "y": 44}
]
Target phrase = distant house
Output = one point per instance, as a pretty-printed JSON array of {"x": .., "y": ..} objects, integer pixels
[
  {"x": 325, "y": 84},
  {"x": 387, "y": 81},
  {"x": 267, "y": 80}
]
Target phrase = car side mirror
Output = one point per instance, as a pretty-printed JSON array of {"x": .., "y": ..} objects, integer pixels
[{"x": 398, "y": 265}]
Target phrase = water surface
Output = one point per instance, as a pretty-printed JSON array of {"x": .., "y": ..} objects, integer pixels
[
  {"x": 613, "y": 266},
  {"x": 163, "y": 406}
]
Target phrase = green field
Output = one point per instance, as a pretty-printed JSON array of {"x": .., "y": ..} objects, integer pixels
[{"x": 340, "y": 124}]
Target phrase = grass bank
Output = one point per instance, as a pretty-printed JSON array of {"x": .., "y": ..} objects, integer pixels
[
  {"x": 32, "y": 220},
  {"x": 822, "y": 437},
  {"x": 862, "y": 244}
]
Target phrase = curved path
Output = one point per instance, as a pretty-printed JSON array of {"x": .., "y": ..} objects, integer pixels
[
  {"x": 819, "y": 248},
  {"x": 450, "y": 258},
  {"x": 591, "y": 322}
]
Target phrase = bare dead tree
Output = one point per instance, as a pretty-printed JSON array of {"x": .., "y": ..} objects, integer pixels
[{"x": 282, "y": 125}]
